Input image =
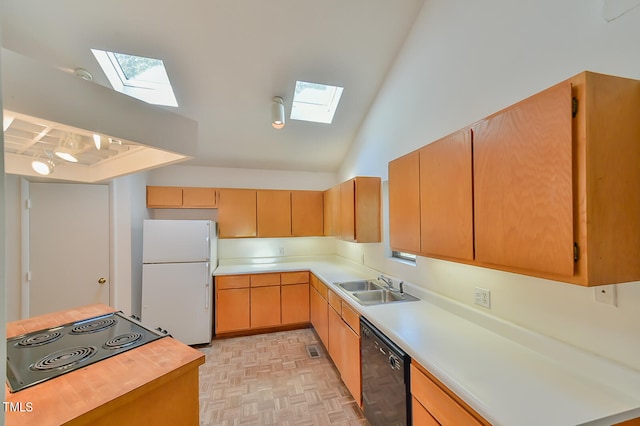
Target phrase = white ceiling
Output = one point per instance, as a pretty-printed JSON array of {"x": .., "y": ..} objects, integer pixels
[{"x": 227, "y": 58}]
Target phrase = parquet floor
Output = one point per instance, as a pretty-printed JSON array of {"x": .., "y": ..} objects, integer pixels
[{"x": 269, "y": 379}]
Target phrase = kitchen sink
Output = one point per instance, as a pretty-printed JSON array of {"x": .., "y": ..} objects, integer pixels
[
  {"x": 376, "y": 297},
  {"x": 372, "y": 292},
  {"x": 361, "y": 285}
]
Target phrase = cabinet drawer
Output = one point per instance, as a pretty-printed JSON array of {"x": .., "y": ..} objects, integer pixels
[
  {"x": 294, "y": 277},
  {"x": 322, "y": 289},
  {"x": 261, "y": 280},
  {"x": 335, "y": 302},
  {"x": 438, "y": 403},
  {"x": 232, "y": 281},
  {"x": 351, "y": 317},
  {"x": 420, "y": 415}
]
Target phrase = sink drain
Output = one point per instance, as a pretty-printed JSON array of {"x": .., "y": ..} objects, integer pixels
[{"x": 313, "y": 351}]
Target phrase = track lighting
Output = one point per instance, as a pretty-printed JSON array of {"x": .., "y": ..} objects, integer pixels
[
  {"x": 68, "y": 148},
  {"x": 43, "y": 165},
  {"x": 277, "y": 112}
]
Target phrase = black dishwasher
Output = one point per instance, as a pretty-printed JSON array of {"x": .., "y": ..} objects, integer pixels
[{"x": 385, "y": 378}]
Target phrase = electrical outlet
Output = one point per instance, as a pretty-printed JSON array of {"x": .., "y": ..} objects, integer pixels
[
  {"x": 281, "y": 251},
  {"x": 482, "y": 297},
  {"x": 606, "y": 294}
]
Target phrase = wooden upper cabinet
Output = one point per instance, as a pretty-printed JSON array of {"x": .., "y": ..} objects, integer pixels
[
  {"x": 446, "y": 197},
  {"x": 347, "y": 210},
  {"x": 307, "y": 213},
  {"x": 607, "y": 200},
  {"x": 237, "y": 213},
  {"x": 404, "y": 203},
  {"x": 199, "y": 197},
  {"x": 177, "y": 197},
  {"x": 331, "y": 200},
  {"x": 523, "y": 200},
  {"x": 360, "y": 210},
  {"x": 274, "y": 213},
  {"x": 164, "y": 197}
]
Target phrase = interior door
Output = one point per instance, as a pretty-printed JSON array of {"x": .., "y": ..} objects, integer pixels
[{"x": 68, "y": 246}]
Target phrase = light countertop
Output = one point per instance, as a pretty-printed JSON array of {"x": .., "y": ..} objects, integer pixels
[{"x": 509, "y": 375}]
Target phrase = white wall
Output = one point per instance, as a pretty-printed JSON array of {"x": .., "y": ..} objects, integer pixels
[{"x": 465, "y": 60}]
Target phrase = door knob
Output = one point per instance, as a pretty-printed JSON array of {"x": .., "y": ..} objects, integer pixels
[{"x": 102, "y": 280}]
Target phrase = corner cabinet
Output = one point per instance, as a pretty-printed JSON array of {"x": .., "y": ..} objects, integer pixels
[
  {"x": 359, "y": 201},
  {"x": 554, "y": 183}
]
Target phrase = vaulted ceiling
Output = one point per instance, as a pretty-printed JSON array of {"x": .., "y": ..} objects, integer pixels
[{"x": 227, "y": 59}]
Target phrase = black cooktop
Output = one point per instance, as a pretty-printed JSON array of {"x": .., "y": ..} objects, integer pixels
[{"x": 42, "y": 355}]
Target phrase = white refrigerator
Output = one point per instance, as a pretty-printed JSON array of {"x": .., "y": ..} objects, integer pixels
[{"x": 179, "y": 257}]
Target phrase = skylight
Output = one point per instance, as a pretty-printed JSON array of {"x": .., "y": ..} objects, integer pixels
[
  {"x": 315, "y": 102},
  {"x": 142, "y": 78}
]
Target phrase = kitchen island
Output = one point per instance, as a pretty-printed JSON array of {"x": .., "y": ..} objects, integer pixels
[
  {"x": 156, "y": 383},
  {"x": 508, "y": 374}
]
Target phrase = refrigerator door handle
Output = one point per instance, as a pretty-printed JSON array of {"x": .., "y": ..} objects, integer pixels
[
  {"x": 206, "y": 295},
  {"x": 207, "y": 281}
]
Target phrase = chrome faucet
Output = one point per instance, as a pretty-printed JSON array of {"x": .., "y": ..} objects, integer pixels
[{"x": 387, "y": 281}]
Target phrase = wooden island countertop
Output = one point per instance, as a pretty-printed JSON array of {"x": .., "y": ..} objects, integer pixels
[{"x": 154, "y": 384}]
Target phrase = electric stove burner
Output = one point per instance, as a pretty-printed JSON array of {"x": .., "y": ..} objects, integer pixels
[
  {"x": 122, "y": 341},
  {"x": 64, "y": 358},
  {"x": 39, "y": 339},
  {"x": 42, "y": 355},
  {"x": 93, "y": 326}
]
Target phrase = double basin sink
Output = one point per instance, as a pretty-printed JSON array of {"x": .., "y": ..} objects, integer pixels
[{"x": 373, "y": 292}]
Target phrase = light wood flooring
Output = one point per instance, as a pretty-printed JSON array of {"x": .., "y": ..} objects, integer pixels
[{"x": 269, "y": 379}]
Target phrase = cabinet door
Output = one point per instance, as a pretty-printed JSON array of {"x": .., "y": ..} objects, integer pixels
[
  {"x": 523, "y": 202},
  {"x": 274, "y": 213},
  {"x": 446, "y": 197},
  {"x": 164, "y": 196},
  {"x": 347, "y": 210},
  {"x": 237, "y": 213},
  {"x": 265, "y": 306},
  {"x": 368, "y": 226},
  {"x": 420, "y": 416},
  {"x": 319, "y": 316},
  {"x": 351, "y": 373},
  {"x": 404, "y": 203},
  {"x": 199, "y": 198},
  {"x": 335, "y": 339},
  {"x": 295, "y": 303},
  {"x": 232, "y": 310},
  {"x": 307, "y": 213},
  {"x": 332, "y": 218}
]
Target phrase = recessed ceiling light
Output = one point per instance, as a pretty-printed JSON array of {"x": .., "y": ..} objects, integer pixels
[
  {"x": 142, "y": 78},
  {"x": 315, "y": 102}
]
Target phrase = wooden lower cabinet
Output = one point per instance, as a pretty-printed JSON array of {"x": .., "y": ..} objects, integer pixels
[
  {"x": 319, "y": 310},
  {"x": 265, "y": 306},
  {"x": 254, "y": 301},
  {"x": 433, "y": 401},
  {"x": 232, "y": 310},
  {"x": 344, "y": 345},
  {"x": 295, "y": 303}
]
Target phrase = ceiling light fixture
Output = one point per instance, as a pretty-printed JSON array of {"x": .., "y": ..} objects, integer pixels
[
  {"x": 83, "y": 74},
  {"x": 277, "y": 112},
  {"x": 43, "y": 166},
  {"x": 97, "y": 140},
  {"x": 67, "y": 149}
]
